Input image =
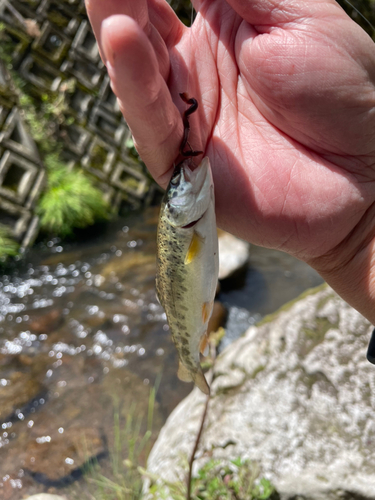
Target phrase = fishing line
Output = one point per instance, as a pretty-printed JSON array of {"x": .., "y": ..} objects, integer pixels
[
  {"x": 191, "y": 45},
  {"x": 360, "y": 14}
]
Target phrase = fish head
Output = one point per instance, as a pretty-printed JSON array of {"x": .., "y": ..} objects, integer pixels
[{"x": 189, "y": 193}]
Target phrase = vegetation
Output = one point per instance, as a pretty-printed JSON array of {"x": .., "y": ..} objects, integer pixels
[
  {"x": 131, "y": 445},
  {"x": 235, "y": 480},
  {"x": 70, "y": 201},
  {"x": 8, "y": 247}
]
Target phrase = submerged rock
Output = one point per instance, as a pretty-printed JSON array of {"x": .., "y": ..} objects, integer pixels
[
  {"x": 58, "y": 459},
  {"x": 296, "y": 395},
  {"x": 16, "y": 393}
]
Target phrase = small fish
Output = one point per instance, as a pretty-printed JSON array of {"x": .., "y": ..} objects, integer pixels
[{"x": 188, "y": 260}]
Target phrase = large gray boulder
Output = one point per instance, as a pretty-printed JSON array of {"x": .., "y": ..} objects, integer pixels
[{"x": 295, "y": 394}]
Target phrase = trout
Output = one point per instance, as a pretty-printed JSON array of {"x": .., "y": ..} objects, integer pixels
[{"x": 188, "y": 262}]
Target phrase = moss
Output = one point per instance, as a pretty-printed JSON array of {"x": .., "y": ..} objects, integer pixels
[
  {"x": 315, "y": 336},
  {"x": 257, "y": 370}
]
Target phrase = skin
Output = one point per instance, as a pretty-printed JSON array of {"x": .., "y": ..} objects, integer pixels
[{"x": 287, "y": 117}]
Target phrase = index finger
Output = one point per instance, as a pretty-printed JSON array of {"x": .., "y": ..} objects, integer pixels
[{"x": 143, "y": 95}]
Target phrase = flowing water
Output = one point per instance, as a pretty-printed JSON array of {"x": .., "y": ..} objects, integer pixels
[{"x": 81, "y": 333}]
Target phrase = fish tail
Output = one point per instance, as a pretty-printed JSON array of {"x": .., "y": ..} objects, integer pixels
[{"x": 201, "y": 382}]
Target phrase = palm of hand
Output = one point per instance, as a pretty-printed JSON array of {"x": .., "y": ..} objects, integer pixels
[{"x": 292, "y": 165}]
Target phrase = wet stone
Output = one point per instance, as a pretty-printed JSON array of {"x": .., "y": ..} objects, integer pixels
[
  {"x": 130, "y": 261},
  {"x": 46, "y": 322},
  {"x": 72, "y": 428},
  {"x": 57, "y": 459},
  {"x": 17, "y": 393}
]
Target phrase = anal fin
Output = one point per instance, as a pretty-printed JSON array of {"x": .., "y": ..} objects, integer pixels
[
  {"x": 183, "y": 373},
  {"x": 203, "y": 346}
]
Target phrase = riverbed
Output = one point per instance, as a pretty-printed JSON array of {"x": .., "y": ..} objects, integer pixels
[{"x": 83, "y": 339}]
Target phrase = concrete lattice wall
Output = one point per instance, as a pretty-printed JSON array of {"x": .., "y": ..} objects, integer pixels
[{"x": 52, "y": 45}]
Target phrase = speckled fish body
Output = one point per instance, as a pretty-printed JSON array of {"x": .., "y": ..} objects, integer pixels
[{"x": 187, "y": 263}]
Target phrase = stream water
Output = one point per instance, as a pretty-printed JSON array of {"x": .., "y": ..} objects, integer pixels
[{"x": 81, "y": 333}]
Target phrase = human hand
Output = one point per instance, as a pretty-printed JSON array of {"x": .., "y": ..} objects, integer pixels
[{"x": 286, "y": 116}]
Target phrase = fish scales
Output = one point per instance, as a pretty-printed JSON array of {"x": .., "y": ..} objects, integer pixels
[{"x": 187, "y": 263}]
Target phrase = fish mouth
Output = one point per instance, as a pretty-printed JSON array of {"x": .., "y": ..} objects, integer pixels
[{"x": 191, "y": 224}]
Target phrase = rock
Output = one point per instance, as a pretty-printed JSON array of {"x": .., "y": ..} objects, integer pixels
[
  {"x": 233, "y": 254},
  {"x": 294, "y": 394},
  {"x": 19, "y": 391},
  {"x": 129, "y": 261},
  {"x": 46, "y": 322},
  {"x": 57, "y": 459}
]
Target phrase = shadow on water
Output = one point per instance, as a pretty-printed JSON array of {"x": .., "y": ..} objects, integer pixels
[
  {"x": 80, "y": 328},
  {"x": 268, "y": 280}
]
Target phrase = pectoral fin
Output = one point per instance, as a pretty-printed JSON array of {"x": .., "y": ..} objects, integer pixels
[{"x": 194, "y": 248}]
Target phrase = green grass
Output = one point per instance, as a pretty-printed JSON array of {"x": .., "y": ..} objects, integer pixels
[
  {"x": 70, "y": 201},
  {"x": 237, "y": 479},
  {"x": 132, "y": 443},
  {"x": 8, "y": 246}
]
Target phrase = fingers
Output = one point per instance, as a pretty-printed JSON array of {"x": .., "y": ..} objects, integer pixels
[
  {"x": 99, "y": 11},
  {"x": 133, "y": 39},
  {"x": 163, "y": 17},
  {"x": 143, "y": 94}
]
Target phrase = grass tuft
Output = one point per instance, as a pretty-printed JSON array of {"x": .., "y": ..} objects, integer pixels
[
  {"x": 8, "y": 246},
  {"x": 236, "y": 480},
  {"x": 70, "y": 201}
]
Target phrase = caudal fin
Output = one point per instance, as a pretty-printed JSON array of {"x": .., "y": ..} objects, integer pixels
[
  {"x": 201, "y": 382},
  {"x": 183, "y": 373}
]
